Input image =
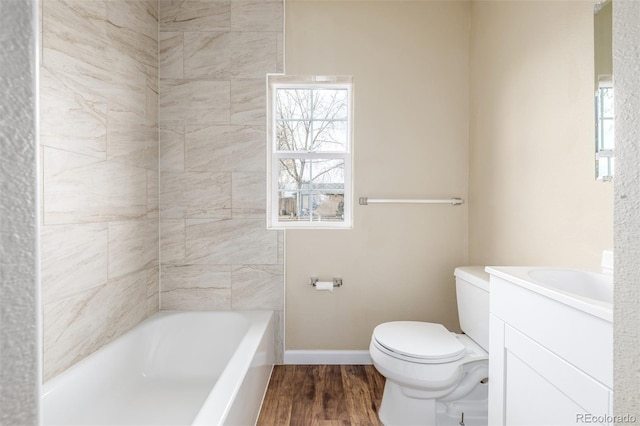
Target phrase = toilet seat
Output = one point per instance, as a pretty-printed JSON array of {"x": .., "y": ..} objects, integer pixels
[{"x": 419, "y": 342}]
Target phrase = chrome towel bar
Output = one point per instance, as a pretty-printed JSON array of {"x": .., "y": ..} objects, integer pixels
[{"x": 366, "y": 201}]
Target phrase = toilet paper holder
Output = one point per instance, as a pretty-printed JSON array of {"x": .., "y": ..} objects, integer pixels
[{"x": 337, "y": 282}]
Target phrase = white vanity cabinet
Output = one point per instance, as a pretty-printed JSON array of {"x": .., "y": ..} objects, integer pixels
[{"x": 551, "y": 355}]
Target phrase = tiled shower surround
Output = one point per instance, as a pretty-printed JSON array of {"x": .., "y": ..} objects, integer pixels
[{"x": 153, "y": 165}]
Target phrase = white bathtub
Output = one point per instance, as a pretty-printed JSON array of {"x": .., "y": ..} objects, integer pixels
[{"x": 175, "y": 368}]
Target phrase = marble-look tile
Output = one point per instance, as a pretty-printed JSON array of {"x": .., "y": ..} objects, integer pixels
[
  {"x": 195, "y": 195},
  {"x": 248, "y": 99},
  {"x": 76, "y": 44},
  {"x": 118, "y": 79},
  {"x": 153, "y": 110},
  {"x": 196, "y": 299},
  {"x": 127, "y": 92},
  {"x": 171, "y": 148},
  {"x": 152, "y": 7},
  {"x": 73, "y": 259},
  {"x": 170, "y": 60},
  {"x": 71, "y": 119},
  {"x": 76, "y": 29},
  {"x": 140, "y": 16},
  {"x": 248, "y": 192},
  {"x": 79, "y": 325},
  {"x": 153, "y": 195},
  {"x": 133, "y": 246},
  {"x": 153, "y": 288},
  {"x": 81, "y": 189},
  {"x": 257, "y": 287},
  {"x": 231, "y": 241},
  {"x": 195, "y": 15},
  {"x": 253, "y": 54},
  {"x": 127, "y": 301},
  {"x": 132, "y": 140},
  {"x": 172, "y": 241},
  {"x": 71, "y": 330},
  {"x": 207, "y": 55},
  {"x": 132, "y": 30},
  {"x": 194, "y": 102},
  {"x": 181, "y": 277},
  {"x": 278, "y": 323},
  {"x": 152, "y": 78},
  {"x": 281, "y": 246},
  {"x": 225, "y": 148},
  {"x": 256, "y": 15},
  {"x": 88, "y": 80}
]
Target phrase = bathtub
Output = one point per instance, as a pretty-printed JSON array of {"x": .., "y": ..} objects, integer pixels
[{"x": 175, "y": 368}]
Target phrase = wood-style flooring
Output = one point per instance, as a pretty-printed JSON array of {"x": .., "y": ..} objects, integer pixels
[{"x": 322, "y": 395}]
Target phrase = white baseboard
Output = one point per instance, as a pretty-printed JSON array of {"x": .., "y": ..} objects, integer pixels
[{"x": 326, "y": 357}]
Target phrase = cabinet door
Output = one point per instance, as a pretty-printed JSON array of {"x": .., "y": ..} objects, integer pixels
[{"x": 542, "y": 389}]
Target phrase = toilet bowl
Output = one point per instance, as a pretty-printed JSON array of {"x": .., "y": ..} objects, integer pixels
[{"x": 434, "y": 375}]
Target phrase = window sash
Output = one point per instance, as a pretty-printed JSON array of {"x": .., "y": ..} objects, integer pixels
[
  {"x": 314, "y": 83},
  {"x": 309, "y": 86},
  {"x": 275, "y": 191}
]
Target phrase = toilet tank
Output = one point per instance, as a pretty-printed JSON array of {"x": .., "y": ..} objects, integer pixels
[{"x": 472, "y": 294}]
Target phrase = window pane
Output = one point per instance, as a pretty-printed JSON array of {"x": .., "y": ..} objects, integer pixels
[
  {"x": 607, "y": 134},
  {"x": 605, "y": 167},
  {"x": 290, "y": 206},
  {"x": 305, "y": 206},
  {"x": 293, "y": 104},
  {"x": 311, "y": 120},
  {"x": 311, "y": 190},
  {"x": 293, "y": 135},
  {"x": 606, "y": 94},
  {"x": 327, "y": 174},
  {"x": 330, "y": 104},
  {"x": 330, "y": 136},
  {"x": 328, "y": 207},
  {"x": 294, "y": 174}
]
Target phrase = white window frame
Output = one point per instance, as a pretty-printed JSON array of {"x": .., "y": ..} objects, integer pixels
[
  {"x": 602, "y": 154},
  {"x": 279, "y": 81}
]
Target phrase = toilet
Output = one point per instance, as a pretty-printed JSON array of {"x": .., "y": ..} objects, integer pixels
[{"x": 434, "y": 376}]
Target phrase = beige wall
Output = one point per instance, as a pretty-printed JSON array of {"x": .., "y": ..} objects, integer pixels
[
  {"x": 533, "y": 197},
  {"x": 99, "y": 150},
  {"x": 216, "y": 253},
  {"x": 525, "y": 77},
  {"x": 409, "y": 62}
]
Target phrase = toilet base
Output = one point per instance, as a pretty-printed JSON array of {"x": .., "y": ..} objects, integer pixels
[
  {"x": 398, "y": 409},
  {"x": 474, "y": 406}
]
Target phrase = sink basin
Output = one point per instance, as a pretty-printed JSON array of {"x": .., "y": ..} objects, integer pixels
[
  {"x": 589, "y": 292},
  {"x": 589, "y": 285}
]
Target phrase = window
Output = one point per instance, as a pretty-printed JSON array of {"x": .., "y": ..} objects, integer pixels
[
  {"x": 310, "y": 148},
  {"x": 604, "y": 131}
]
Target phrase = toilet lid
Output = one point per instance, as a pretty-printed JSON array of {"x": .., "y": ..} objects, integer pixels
[{"x": 425, "y": 341}]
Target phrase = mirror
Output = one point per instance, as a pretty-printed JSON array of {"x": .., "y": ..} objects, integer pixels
[{"x": 603, "y": 60}]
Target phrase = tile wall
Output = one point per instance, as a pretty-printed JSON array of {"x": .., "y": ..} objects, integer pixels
[
  {"x": 216, "y": 253},
  {"x": 99, "y": 151},
  {"x": 153, "y": 165}
]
